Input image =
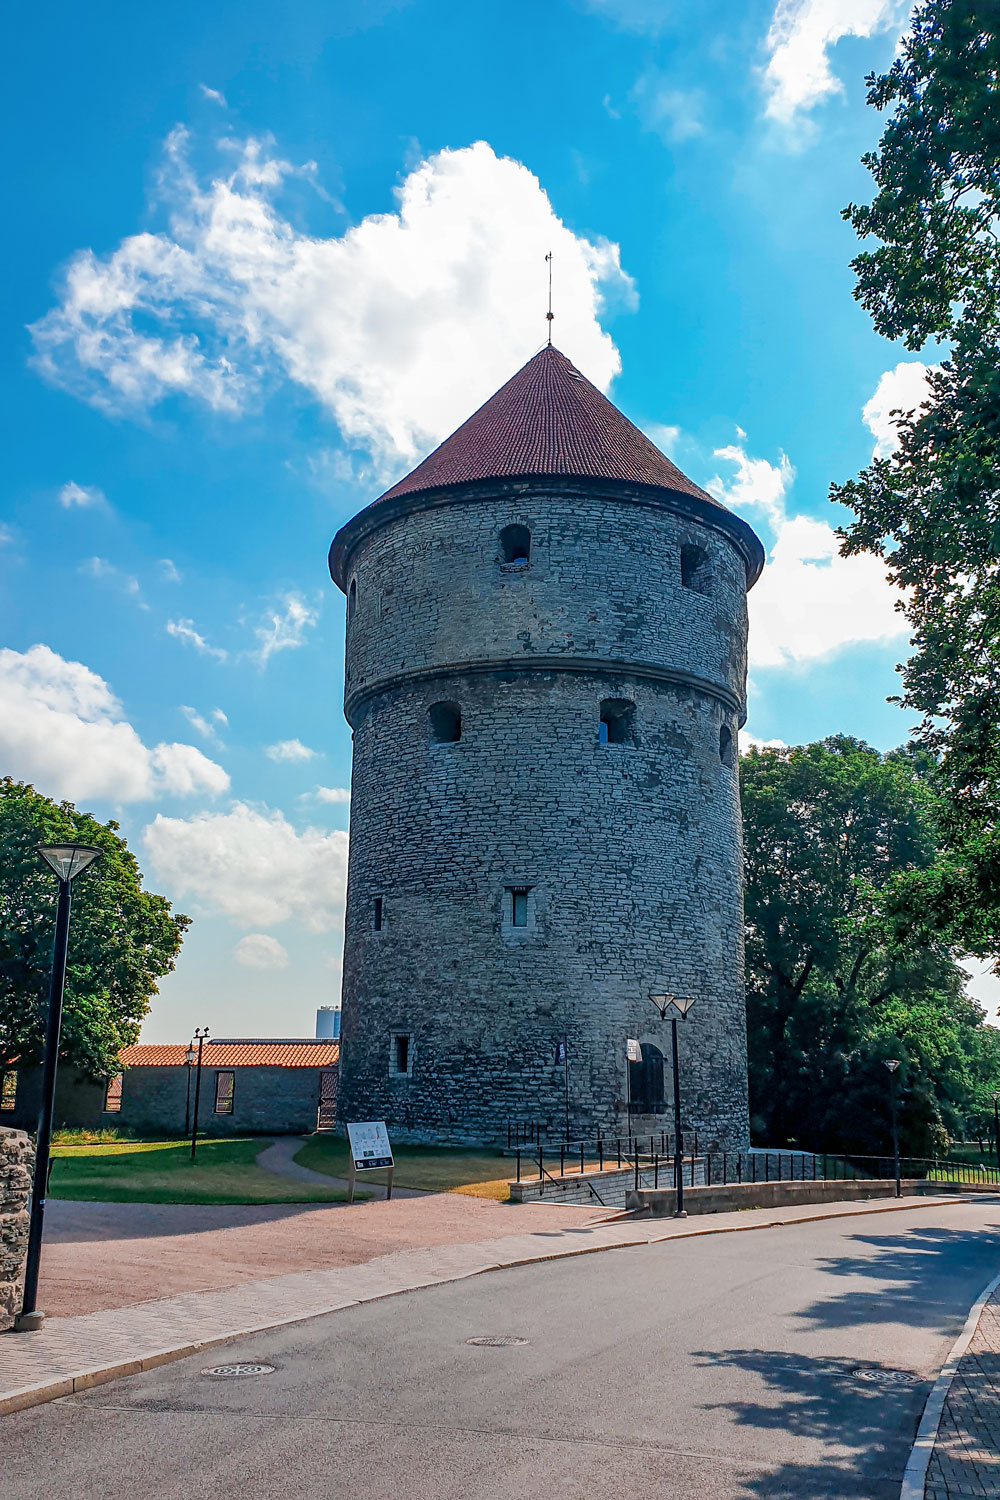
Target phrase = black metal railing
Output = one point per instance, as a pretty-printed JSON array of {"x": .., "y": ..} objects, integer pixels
[{"x": 656, "y": 1156}]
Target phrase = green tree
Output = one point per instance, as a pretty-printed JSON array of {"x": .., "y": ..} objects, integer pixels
[
  {"x": 835, "y": 984},
  {"x": 931, "y": 510},
  {"x": 122, "y": 939}
]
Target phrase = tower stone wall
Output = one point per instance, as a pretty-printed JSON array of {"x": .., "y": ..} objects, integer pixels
[{"x": 630, "y": 853}]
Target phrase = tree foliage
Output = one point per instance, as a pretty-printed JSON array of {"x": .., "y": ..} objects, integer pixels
[
  {"x": 835, "y": 985},
  {"x": 931, "y": 510},
  {"x": 122, "y": 938}
]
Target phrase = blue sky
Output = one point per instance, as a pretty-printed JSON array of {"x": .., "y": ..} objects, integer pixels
[{"x": 267, "y": 260}]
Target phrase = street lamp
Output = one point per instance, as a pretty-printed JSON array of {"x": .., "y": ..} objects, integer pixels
[
  {"x": 67, "y": 861},
  {"x": 199, "y": 1037},
  {"x": 189, "y": 1058},
  {"x": 996, "y": 1126},
  {"x": 681, "y": 1004},
  {"x": 892, "y": 1064}
]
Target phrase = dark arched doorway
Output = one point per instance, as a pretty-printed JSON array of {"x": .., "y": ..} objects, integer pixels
[{"x": 646, "y": 1082}]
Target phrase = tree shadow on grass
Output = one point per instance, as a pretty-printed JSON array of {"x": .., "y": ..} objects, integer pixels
[{"x": 854, "y": 1434}]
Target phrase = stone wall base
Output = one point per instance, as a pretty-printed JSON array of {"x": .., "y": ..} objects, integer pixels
[{"x": 17, "y": 1158}]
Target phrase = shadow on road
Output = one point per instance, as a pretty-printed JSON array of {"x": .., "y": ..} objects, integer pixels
[{"x": 862, "y": 1444}]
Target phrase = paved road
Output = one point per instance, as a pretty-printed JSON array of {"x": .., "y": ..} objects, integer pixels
[{"x": 722, "y": 1369}]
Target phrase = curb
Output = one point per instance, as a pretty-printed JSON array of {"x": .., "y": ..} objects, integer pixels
[
  {"x": 70, "y": 1385},
  {"x": 915, "y": 1473}
]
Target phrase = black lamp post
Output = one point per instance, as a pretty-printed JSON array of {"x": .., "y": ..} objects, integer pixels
[
  {"x": 681, "y": 1004},
  {"x": 67, "y": 861},
  {"x": 189, "y": 1058},
  {"x": 199, "y": 1037},
  {"x": 892, "y": 1064}
]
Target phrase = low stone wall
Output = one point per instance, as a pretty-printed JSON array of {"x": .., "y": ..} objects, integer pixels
[
  {"x": 16, "y": 1161},
  {"x": 660, "y": 1202}
]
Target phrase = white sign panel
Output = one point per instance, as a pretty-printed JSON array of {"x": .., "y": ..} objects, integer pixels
[
  {"x": 369, "y": 1145},
  {"x": 633, "y": 1050}
]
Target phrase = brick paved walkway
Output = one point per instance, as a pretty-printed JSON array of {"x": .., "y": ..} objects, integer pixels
[
  {"x": 70, "y": 1354},
  {"x": 966, "y": 1457}
]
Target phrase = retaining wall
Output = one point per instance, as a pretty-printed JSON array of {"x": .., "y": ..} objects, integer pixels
[{"x": 16, "y": 1161}]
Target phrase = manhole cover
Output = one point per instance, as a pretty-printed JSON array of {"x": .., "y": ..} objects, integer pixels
[
  {"x": 235, "y": 1371},
  {"x": 886, "y": 1377},
  {"x": 497, "y": 1341}
]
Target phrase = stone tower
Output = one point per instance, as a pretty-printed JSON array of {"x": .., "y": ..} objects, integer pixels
[{"x": 546, "y": 670}]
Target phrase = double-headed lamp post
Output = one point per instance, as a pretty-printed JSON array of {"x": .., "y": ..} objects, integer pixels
[
  {"x": 67, "y": 861},
  {"x": 892, "y": 1064},
  {"x": 199, "y": 1037},
  {"x": 681, "y": 1005}
]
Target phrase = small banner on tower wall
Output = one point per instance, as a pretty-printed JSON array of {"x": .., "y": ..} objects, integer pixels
[{"x": 633, "y": 1049}]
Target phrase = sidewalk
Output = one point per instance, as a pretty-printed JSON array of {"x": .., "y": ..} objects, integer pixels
[
  {"x": 70, "y": 1354},
  {"x": 966, "y": 1457}
]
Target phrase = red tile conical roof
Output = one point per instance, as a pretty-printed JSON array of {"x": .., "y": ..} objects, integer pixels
[{"x": 547, "y": 419}]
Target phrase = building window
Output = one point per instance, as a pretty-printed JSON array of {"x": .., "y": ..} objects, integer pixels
[
  {"x": 617, "y": 726},
  {"x": 113, "y": 1095},
  {"x": 8, "y": 1090},
  {"x": 726, "y": 745},
  {"x": 446, "y": 723},
  {"x": 225, "y": 1092},
  {"x": 400, "y": 1055},
  {"x": 515, "y": 546},
  {"x": 352, "y": 599},
  {"x": 645, "y": 1080},
  {"x": 695, "y": 573},
  {"x": 377, "y": 914},
  {"x": 518, "y": 907}
]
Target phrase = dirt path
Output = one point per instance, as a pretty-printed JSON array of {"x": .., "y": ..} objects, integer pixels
[
  {"x": 101, "y": 1255},
  {"x": 279, "y": 1158}
]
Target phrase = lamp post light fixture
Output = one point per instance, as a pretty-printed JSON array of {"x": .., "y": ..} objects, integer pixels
[
  {"x": 681, "y": 1004},
  {"x": 892, "y": 1064},
  {"x": 199, "y": 1037},
  {"x": 67, "y": 861},
  {"x": 189, "y": 1058}
]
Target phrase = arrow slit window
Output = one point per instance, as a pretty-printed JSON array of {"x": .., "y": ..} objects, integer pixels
[{"x": 225, "y": 1093}]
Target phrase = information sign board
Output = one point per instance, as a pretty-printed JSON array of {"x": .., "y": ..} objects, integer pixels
[{"x": 370, "y": 1147}]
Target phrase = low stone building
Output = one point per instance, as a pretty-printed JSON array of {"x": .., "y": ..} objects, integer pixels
[{"x": 253, "y": 1086}]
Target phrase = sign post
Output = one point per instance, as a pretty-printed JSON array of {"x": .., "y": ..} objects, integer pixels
[{"x": 370, "y": 1152}]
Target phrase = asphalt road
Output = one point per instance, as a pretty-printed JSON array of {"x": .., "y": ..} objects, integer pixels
[{"x": 721, "y": 1367}]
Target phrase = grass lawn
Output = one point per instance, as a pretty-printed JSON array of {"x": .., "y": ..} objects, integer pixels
[
  {"x": 436, "y": 1169},
  {"x": 162, "y": 1172}
]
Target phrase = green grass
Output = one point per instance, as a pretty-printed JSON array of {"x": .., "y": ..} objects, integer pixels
[
  {"x": 163, "y": 1172},
  {"x": 435, "y": 1169},
  {"x": 90, "y": 1137}
]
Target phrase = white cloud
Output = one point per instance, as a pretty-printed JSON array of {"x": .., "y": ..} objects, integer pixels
[
  {"x": 82, "y": 497},
  {"x": 252, "y": 866},
  {"x": 754, "y": 742},
  {"x": 900, "y": 390},
  {"x": 664, "y": 436},
  {"x": 62, "y": 728},
  {"x": 983, "y": 985},
  {"x": 205, "y": 727},
  {"x": 672, "y": 113},
  {"x": 810, "y": 602},
  {"x": 213, "y": 94},
  {"x": 258, "y": 951},
  {"x": 183, "y": 630},
  {"x": 283, "y": 629},
  {"x": 331, "y": 794},
  {"x": 399, "y": 326},
  {"x": 6, "y": 536},
  {"x": 798, "y": 73},
  {"x": 289, "y": 750},
  {"x": 644, "y": 16},
  {"x": 169, "y": 570},
  {"x": 103, "y": 571}
]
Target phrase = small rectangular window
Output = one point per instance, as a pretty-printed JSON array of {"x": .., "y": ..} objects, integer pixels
[
  {"x": 113, "y": 1095},
  {"x": 377, "y": 914},
  {"x": 400, "y": 1055},
  {"x": 225, "y": 1091},
  {"x": 8, "y": 1091},
  {"x": 519, "y": 906}
]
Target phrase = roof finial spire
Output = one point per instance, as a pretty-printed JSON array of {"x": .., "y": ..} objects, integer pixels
[{"x": 550, "y": 314}]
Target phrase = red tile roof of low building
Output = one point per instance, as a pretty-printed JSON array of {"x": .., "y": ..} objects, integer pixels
[
  {"x": 547, "y": 419},
  {"x": 236, "y": 1054}
]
